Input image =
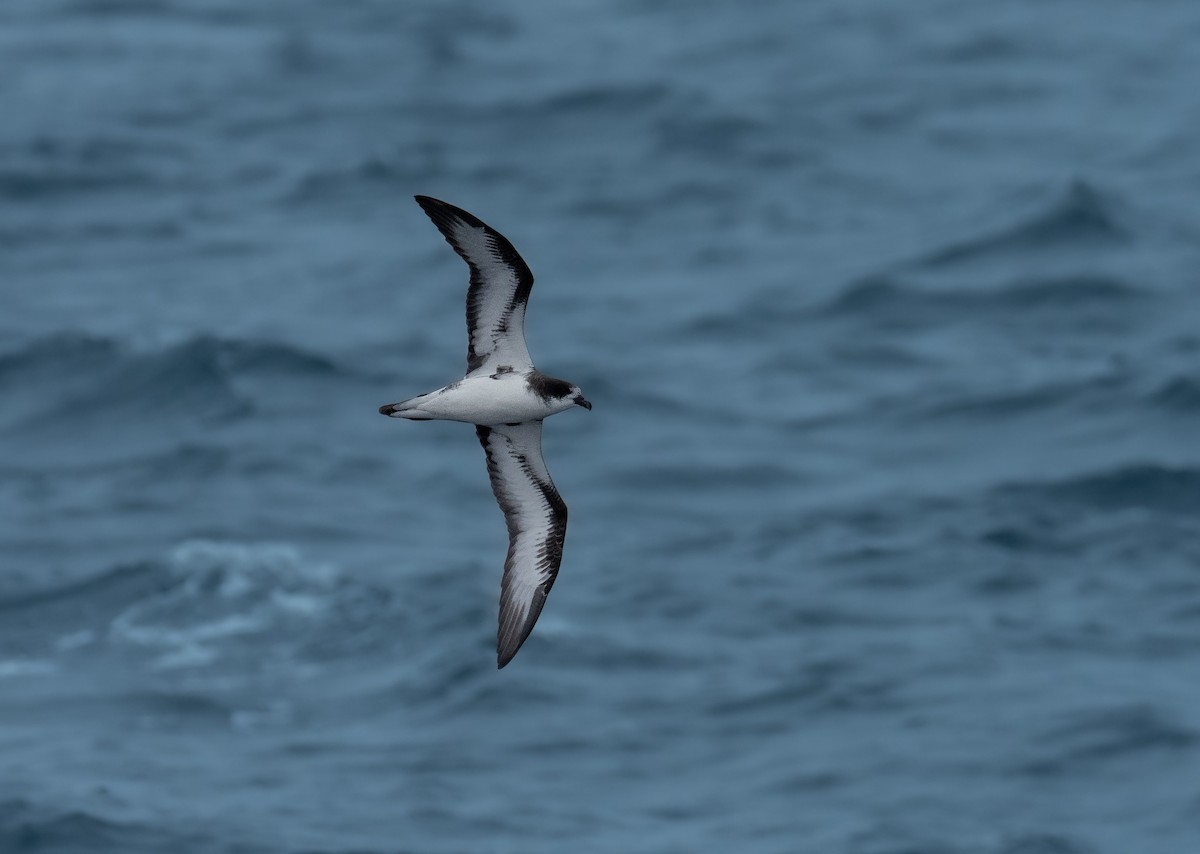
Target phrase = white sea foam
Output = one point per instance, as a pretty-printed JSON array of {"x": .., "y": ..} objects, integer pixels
[{"x": 219, "y": 592}]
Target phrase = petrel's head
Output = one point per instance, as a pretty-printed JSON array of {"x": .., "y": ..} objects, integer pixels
[
  {"x": 558, "y": 393},
  {"x": 573, "y": 396}
]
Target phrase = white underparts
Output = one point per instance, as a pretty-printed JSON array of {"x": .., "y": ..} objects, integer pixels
[{"x": 482, "y": 399}]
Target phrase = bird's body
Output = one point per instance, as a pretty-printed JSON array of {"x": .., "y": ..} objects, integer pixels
[{"x": 506, "y": 397}]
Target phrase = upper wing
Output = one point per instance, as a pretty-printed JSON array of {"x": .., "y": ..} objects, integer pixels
[
  {"x": 500, "y": 285},
  {"x": 537, "y": 525}
]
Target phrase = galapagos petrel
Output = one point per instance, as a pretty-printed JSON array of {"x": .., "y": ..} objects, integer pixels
[{"x": 506, "y": 398}]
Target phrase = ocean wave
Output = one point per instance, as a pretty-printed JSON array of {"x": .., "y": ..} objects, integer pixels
[
  {"x": 26, "y": 826},
  {"x": 71, "y": 353},
  {"x": 193, "y": 378},
  {"x": 218, "y": 594},
  {"x": 708, "y": 475},
  {"x": 1100, "y": 391},
  {"x": 823, "y": 686},
  {"x": 918, "y": 292},
  {"x": 52, "y": 167},
  {"x": 108, "y": 232},
  {"x": 892, "y": 298},
  {"x": 610, "y": 99},
  {"x": 206, "y": 601},
  {"x": 1181, "y": 394},
  {"x": 196, "y": 378},
  {"x": 52, "y": 356},
  {"x": 1148, "y": 486},
  {"x": 1044, "y": 843},
  {"x": 371, "y": 176},
  {"x": 1093, "y": 737},
  {"x": 186, "y": 462},
  {"x": 1081, "y": 217},
  {"x": 99, "y": 592},
  {"x": 26, "y": 184},
  {"x": 270, "y": 357},
  {"x": 216, "y": 591},
  {"x": 1022, "y": 538}
]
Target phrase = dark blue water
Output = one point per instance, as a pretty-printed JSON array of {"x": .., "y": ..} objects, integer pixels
[{"x": 885, "y": 529}]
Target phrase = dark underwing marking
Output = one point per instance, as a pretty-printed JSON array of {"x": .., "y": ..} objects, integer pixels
[
  {"x": 448, "y": 219},
  {"x": 550, "y": 553},
  {"x": 547, "y": 388},
  {"x": 503, "y": 369},
  {"x": 516, "y": 625}
]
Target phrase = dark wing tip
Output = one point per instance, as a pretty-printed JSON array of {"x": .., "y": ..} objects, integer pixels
[
  {"x": 444, "y": 212},
  {"x": 447, "y": 217},
  {"x": 512, "y": 634}
]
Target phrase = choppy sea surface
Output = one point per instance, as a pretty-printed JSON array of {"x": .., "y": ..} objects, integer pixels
[{"x": 885, "y": 528}]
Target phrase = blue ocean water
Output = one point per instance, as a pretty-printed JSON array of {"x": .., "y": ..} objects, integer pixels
[{"x": 884, "y": 528}]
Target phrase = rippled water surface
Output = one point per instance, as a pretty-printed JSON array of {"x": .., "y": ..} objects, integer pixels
[{"x": 884, "y": 529}]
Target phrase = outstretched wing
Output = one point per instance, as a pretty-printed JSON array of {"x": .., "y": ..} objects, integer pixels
[
  {"x": 537, "y": 525},
  {"x": 500, "y": 285}
]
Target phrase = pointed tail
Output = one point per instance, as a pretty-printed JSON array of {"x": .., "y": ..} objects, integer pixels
[{"x": 409, "y": 409}]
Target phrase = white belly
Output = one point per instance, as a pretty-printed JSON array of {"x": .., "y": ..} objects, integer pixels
[{"x": 483, "y": 400}]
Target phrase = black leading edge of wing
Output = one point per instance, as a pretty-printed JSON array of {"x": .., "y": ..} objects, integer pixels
[
  {"x": 501, "y": 282},
  {"x": 536, "y": 517}
]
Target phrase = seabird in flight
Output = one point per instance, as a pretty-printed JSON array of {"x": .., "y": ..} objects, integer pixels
[{"x": 506, "y": 398}]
